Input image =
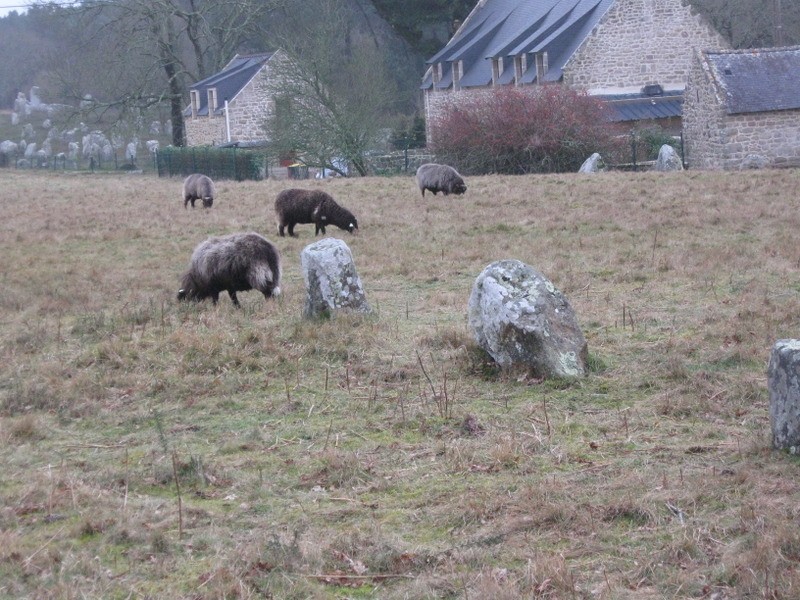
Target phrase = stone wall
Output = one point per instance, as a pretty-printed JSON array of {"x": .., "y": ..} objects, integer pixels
[
  {"x": 641, "y": 42},
  {"x": 703, "y": 117},
  {"x": 205, "y": 131},
  {"x": 250, "y": 109}
]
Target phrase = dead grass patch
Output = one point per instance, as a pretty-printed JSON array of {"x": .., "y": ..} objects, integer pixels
[{"x": 308, "y": 452}]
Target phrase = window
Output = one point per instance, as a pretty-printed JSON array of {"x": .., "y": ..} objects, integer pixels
[
  {"x": 458, "y": 73},
  {"x": 437, "y": 73},
  {"x": 195, "y": 98},
  {"x": 497, "y": 70},
  {"x": 520, "y": 66},
  {"x": 212, "y": 100},
  {"x": 541, "y": 65}
]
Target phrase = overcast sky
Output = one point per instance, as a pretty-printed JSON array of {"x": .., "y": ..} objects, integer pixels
[{"x": 6, "y": 6}]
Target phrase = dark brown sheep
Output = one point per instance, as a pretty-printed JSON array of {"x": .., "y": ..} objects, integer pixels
[
  {"x": 198, "y": 187},
  {"x": 295, "y": 206},
  {"x": 232, "y": 263},
  {"x": 440, "y": 178}
]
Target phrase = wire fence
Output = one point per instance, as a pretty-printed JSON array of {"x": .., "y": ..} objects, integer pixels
[{"x": 63, "y": 162}]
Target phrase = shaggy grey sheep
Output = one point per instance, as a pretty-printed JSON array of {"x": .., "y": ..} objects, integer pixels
[
  {"x": 440, "y": 178},
  {"x": 295, "y": 206},
  {"x": 198, "y": 187},
  {"x": 232, "y": 263}
]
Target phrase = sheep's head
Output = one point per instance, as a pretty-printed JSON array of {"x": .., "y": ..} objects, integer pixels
[
  {"x": 460, "y": 187},
  {"x": 352, "y": 226},
  {"x": 189, "y": 290},
  {"x": 208, "y": 201}
]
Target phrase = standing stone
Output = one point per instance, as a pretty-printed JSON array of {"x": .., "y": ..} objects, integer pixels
[
  {"x": 21, "y": 104},
  {"x": 524, "y": 323},
  {"x": 332, "y": 283},
  {"x": 668, "y": 159},
  {"x": 8, "y": 147},
  {"x": 36, "y": 101},
  {"x": 593, "y": 164},
  {"x": 130, "y": 152},
  {"x": 783, "y": 376}
]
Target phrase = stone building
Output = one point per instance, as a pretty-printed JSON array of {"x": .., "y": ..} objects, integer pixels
[
  {"x": 742, "y": 109},
  {"x": 635, "y": 54},
  {"x": 232, "y": 105}
]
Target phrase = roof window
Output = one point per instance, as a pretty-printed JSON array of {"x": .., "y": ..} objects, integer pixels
[{"x": 653, "y": 89}]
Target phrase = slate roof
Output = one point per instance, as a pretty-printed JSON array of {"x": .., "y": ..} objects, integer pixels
[
  {"x": 757, "y": 80},
  {"x": 228, "y": 82},
  {"x": 505, "y": 28},
  {"x": 641, "y": 107}
]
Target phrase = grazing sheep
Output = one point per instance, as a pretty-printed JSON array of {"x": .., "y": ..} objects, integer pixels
[
  {"x": 440, "y": 178},
  {"x": 232, "y": 263},
  {"x": 295, "y": 206},
  {"x": 198, "y": 187}
]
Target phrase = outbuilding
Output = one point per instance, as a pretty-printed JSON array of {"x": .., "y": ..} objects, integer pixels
[{"x": 741, "y": 109}]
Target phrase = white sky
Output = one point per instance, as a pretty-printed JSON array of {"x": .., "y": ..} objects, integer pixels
[{"x": 6, "y": 6}]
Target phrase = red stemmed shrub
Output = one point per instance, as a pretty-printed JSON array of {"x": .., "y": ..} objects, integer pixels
[{"x": 513, "y": 130}]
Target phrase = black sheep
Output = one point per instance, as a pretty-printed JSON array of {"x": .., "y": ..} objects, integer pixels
[
  {"x": 232, "y": 263},
  {"x": 295, "y": 206}
]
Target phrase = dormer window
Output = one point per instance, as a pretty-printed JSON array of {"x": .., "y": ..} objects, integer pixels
[
  {"x": 497, "y": 70},
  {"x": 194, "y": 96},
  {"x": 458, "y": 73},
  {"x": 436, "y": 72},
  {"x": 520, "y": 66},
  {"x": 212, "y": 100},
  {"x": 541, "y": 65}
]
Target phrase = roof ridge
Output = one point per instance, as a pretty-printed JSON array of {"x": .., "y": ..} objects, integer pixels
[{"x": 754, "y": 50}]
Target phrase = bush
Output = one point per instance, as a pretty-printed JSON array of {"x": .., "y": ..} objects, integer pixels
[
  {"x": 543, "y": 129},
  {"x": 653, "y": 139}
]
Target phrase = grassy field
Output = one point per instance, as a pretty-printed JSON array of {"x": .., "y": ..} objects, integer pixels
[{"x": 152, "y": 449}]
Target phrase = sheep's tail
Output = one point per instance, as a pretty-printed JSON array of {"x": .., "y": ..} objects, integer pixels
[{"x": 261, "y": 276}]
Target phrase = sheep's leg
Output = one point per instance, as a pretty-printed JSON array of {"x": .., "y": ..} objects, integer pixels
[
  {"x": 291, "y": 230},
  {"x": 280, "y": 230},
  {"x": 215, "y": 297},
  {"x": 234, "y": 299}
]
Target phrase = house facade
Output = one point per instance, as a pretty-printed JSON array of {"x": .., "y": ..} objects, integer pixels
[
  {"x": 742, "y": 109},
  {"x": 231, "y": 106},
  {"x": 634, "y": 54}
]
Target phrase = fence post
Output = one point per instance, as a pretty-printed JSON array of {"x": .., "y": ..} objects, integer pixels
[{"x": 235, "y": 166}]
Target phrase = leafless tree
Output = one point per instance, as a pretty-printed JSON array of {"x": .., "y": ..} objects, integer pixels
[
  {"x": 153, "y": 49},
  {"x": 334, "y": 90}
]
